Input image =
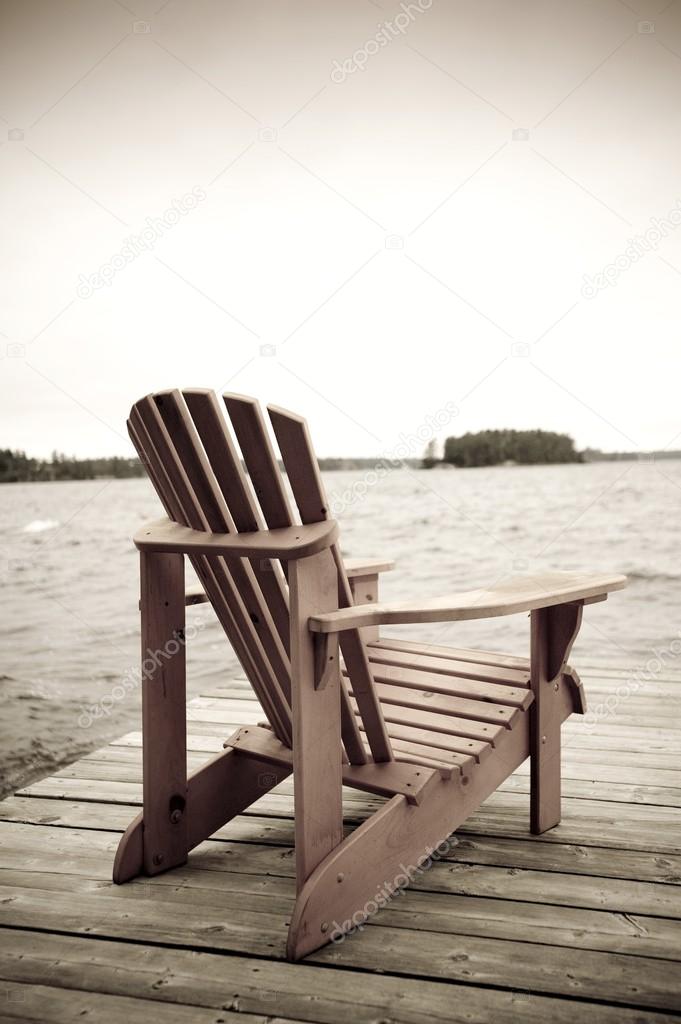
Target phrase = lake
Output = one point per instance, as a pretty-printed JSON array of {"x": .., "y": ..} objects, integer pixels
[{"x": 70, "y": 623}]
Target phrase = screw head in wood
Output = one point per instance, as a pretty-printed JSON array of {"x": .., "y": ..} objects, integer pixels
[
  {"x": 340, "y": 876},
  {"x": 325, "y": 926},
  {"x": 158, "y": 859}
]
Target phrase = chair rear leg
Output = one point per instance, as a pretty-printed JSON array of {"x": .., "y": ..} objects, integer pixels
[
  {"x": 164, "y": 728},
  {"x": 178, "y": 812},
  {"x": 222, "y": 788}
]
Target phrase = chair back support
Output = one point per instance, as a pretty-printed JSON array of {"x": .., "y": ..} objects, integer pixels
[{"x": 185, "y": 444}]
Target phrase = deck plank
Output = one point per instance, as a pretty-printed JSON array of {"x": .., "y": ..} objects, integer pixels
[
  {"x": 251, "y": 986},
  {"x": 580, "y": 923}
]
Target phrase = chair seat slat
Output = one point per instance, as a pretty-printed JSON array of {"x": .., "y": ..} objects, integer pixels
[
  {"x": 448, "y": 757},
  {"x": 462, "y": 707},
  {"x": 451, "y": 667},
  {"x": 492, "y": 658},
  {"x": 451, "y": 724},
  {"x": 479, "y": 749},
  {"x": 456, "y": 686}
]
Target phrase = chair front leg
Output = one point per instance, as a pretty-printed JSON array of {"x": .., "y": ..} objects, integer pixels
[
  {"x": 553, "y": 632},
  {"x": 317, "y": 752},
  {"x": 164, "y": 725}
]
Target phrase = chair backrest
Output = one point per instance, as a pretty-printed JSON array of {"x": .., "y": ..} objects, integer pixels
[{"x": 185, "y": 444}]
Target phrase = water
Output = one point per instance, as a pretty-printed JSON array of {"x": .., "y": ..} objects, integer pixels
[{"x": 70, "y": 585}]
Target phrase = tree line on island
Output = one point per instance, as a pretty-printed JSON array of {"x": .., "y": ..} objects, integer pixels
[
  {"x": 503, "y": 447},
  {"x": 18, "y": 467}
]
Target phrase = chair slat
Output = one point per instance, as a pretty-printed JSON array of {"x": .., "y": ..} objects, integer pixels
[
  {"x": 452, "y": 724},
  {"x": 477, "y": 710},
  {"x": 306, "y": 483},
  {"x": 205, "y": 568},
  {"x": 222, "y": 455},
  {"x": 219, "y": 584},
  {"x": 457, "y": 686},
  {"x": 200, "y": 477},
  {"x": 459, "y": 653},
  {"x": 162, "y": 487},
  {"x": 451, "y": 666},
  {"x": 479, "y": 749},
  {"x": 300, "y": 463},
  {"x": 261, "y": 463},
  {"x": 446, "y": 770},
  {"x": 448, "y": 757}
]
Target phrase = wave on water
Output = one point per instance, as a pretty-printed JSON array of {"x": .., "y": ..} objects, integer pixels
[
  {"x": 652, "y": 577},
  {"x": 39, "y": 525}
]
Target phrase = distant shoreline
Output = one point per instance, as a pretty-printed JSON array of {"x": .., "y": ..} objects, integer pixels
[{"x": 334, "y": 465}]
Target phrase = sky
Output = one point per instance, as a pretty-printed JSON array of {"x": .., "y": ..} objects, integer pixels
[{"x": 392, "y": 218}]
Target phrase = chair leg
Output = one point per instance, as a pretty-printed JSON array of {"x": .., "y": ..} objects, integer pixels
[
  {"x": 164, "y": 728},
  {"x": 317, "y": 753},
  {"x": 388, "y": 849},
  {"x": 178, "y": 812},
  {"x": 553, "y": 631},
  {"x": 222, "y": 788}
]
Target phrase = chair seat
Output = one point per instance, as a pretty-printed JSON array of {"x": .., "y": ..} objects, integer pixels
[{"x": 446, "y": 707}]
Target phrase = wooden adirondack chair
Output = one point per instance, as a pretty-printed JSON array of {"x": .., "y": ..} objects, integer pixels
[{"x": 436, "y": 730}]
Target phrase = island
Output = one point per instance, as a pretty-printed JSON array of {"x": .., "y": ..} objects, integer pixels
[{"x": 504, "y": 448}]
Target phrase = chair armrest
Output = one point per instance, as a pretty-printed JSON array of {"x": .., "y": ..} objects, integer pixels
[
  {"x": 287, "y": 543},
  {"x": 355, "y": 567},
  {"x": 519, "y": 594}
]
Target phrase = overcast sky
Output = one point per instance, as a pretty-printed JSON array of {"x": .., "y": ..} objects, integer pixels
[{"x": 382, "y": 219}]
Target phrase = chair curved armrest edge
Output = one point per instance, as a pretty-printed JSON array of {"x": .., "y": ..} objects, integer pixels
[
  {"x": 519, "y": 594},
  {"x": 286, "y": 543}
]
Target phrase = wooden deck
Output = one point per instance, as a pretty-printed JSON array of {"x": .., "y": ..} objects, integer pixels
[{"x": 581, "y": 924}]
